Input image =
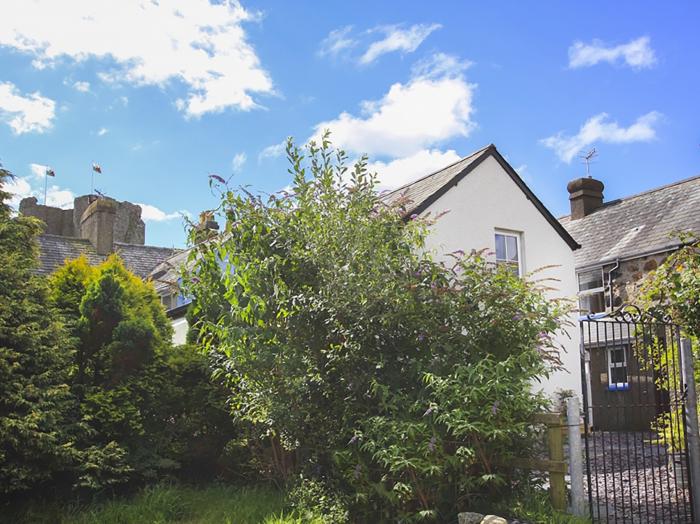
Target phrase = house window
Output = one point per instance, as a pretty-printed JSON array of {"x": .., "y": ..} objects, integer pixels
[
  {"x": 508, "y": 251},
  {"x": 167, "y": 301},
  {"x": 591, "y": 291},
  {"x": 617, "y": 368}
]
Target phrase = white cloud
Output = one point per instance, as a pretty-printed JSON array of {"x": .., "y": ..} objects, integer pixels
[
  {"x": 637, "y": 54},
  {"x": 341, "y": 41},
  {"x": 30, "y": 113},
  {"x": 599, "y": 128},
  {"x": 102, "y": 131},
  {"x": 337, "y": 42},
  {"x": 238, "y": 161},
  {"x": 400, "y": 171},
  {"x": 200, "y": 45},
  {"x": 430, "y": 108},
  {"x": 83, "y": 87},
  {"x": 33, "y": 185},
  {"x": 273, "y": 151},
  {"x": 121, "y": 101},
  {"x": 440, "y": 65},
  {"x": 403, "y": 130},
  {"x": 38, "y": 170},
  {"x": 58, "y": 197},
  {"x": 18, "y": 188},
  {"x": 397, "y": 38},
  {"x": 151, "y": 213}
]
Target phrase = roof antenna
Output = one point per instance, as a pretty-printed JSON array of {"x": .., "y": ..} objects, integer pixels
[{"x": 588, "y": 159}]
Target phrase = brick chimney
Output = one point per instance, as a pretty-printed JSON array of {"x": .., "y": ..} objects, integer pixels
[
  {"x": 97, "y": 224},
  {"x": 585, "y": 196}
]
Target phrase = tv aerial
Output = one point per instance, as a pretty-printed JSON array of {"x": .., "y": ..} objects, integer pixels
[{"x": 588, "y": 160}]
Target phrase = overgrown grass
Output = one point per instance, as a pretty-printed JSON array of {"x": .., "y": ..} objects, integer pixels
[
  {"x": 162, "y": 504},
  {"x": 220, "y": 504},
  {"x": 533, "y": 506}
]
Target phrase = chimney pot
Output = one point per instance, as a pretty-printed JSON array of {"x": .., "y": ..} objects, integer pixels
[{"x": 585, "y": 196}]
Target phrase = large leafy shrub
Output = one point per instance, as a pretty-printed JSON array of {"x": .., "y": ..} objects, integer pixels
[
  {"x": 35, "y": 402},
  {"x": 403, "y": 381},
  {"x": 673, "y": 288},
  {"x": 672, "y": 292}
]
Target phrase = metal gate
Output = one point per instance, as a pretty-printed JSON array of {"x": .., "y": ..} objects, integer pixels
[{"x": 634, "y": 394}]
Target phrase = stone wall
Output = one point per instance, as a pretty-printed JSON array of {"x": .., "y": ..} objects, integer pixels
[
  {"x": 128, "y": 225},
  {"x": 58, "y": 221},
  {"x": 630, "y": 274}
]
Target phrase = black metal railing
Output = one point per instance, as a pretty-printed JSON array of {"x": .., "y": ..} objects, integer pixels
[{"x": 634, "y": 411}]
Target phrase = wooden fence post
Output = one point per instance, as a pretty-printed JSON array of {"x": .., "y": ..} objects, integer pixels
[
  {"x": 555, "y": 465},
  {"x": 557, "y": 482}
]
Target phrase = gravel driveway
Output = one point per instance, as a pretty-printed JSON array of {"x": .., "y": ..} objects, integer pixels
[{"x": 634, "y": 480}]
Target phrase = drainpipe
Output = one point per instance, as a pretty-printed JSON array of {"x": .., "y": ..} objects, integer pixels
[{"x": 617, "y": 266}]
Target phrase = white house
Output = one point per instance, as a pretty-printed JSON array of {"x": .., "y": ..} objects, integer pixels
[{"x": 489, "y": 206}]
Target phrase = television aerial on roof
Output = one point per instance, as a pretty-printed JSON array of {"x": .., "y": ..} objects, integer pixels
[{"x": 588, "y": 160}]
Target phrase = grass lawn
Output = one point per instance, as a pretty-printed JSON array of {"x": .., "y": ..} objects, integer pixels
[
  {"x": 220, "y": 504},
  {"x": 163, "y": 504}
]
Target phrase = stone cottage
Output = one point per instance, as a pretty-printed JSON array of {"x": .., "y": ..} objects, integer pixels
[{"x": 621, "y": 241}]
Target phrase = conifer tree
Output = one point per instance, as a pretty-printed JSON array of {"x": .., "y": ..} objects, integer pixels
[{"x": 35, "y": 401}]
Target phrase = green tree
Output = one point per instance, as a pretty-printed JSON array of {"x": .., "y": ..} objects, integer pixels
[
  {"x": 402, "y": 379},
  {"x": 35, "y": 401},
  {"x": 674, "y": 287},
  {"x": 146, "y": 409}
]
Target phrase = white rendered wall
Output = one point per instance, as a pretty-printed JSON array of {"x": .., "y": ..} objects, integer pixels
[
  {"x": 487, "y": 199},
  {"x": 180, "y": 328}
]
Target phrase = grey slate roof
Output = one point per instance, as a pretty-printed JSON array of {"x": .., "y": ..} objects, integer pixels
[
  {"x": 54, "y": 250},
  {"x": 635, "y": 225},
  {"x": 167, "y": 272},
  {"x": 419, "y": 191},
  {"x": 420, "y": 194}
]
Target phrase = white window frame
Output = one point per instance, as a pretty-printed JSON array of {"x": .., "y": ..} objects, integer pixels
[
  {"x": 166, "y": 300},
  {"x": 618, "y": 386},
  {"x": 592, "y": 291},
  {"x": 518, "y": 243}
]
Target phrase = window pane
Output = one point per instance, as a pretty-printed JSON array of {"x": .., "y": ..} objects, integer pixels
[
  {"x": 618, "y": 375},
  {"x": 617, "y": 355},
  {"x": 512, "y": 248},
  {"x": 592, "y": 303},
  {"x": 590, "y": 280},
  {"x": 500, "y": 247}
]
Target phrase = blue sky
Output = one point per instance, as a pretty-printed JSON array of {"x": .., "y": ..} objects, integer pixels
[{"x": 162, "y": 94}]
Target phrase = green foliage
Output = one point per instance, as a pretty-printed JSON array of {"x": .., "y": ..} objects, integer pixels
[
  {"x": 674, "y": 287},
  {"x": 405, "y": 379},
  {"x": 216, "y": 504},
  {"x": 145, "y": 409},
  {"x": 669, "y": 427},
  {"x": 311, "y": 499},
  {"x": 532, "y": 504},
  {"x": 673, "y": 290},
  {"x": 35, "y": 402}
]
